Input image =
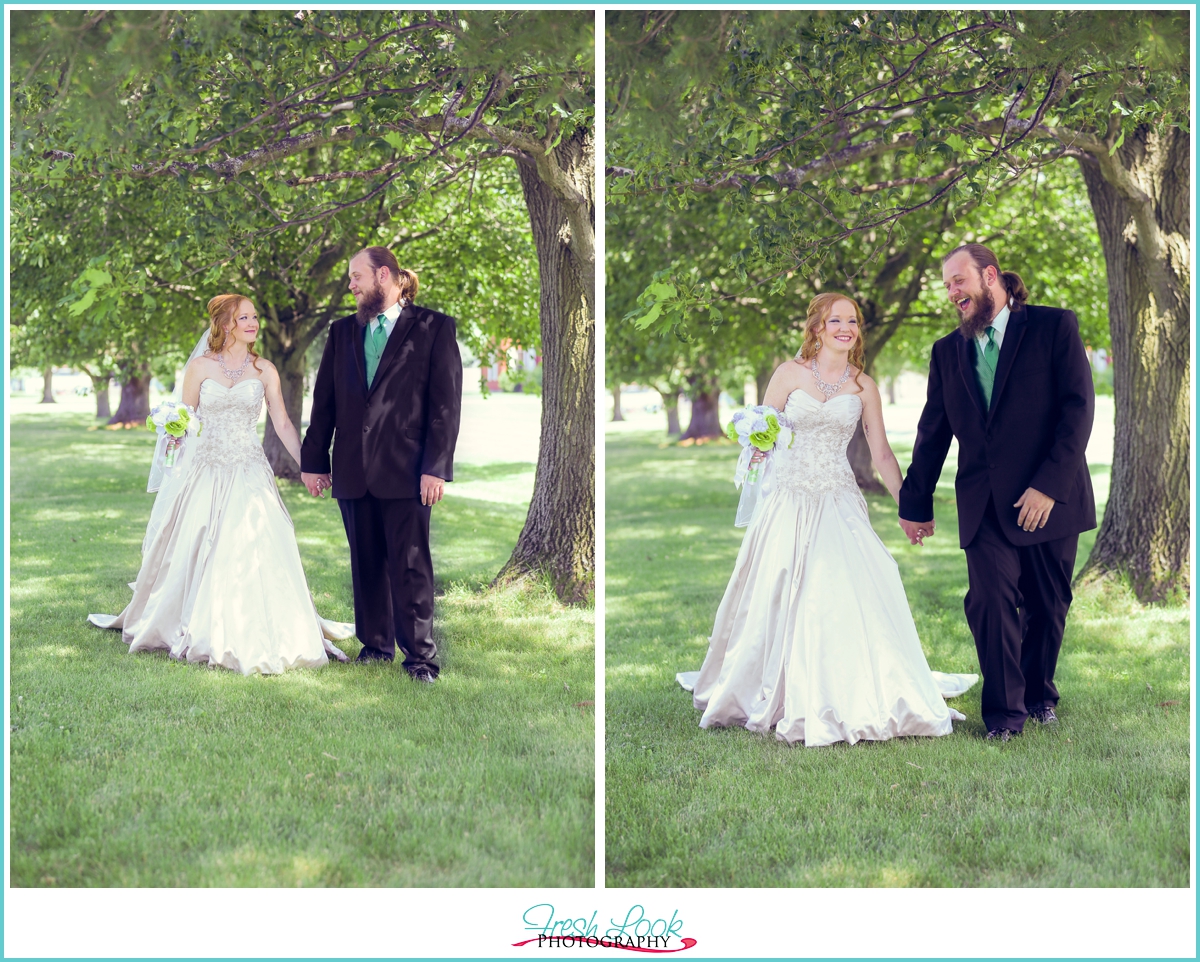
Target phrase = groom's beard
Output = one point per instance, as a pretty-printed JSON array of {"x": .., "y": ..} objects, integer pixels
[
  {"x": 371, "y": 306},
  {"x": 979, "y": 314}
]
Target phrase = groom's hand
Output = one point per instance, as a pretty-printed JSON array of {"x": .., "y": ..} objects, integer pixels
[
  {"x": 432, "y": 489},
  {"x": 917, "y": 531},
  {"x": 316, "y": 483},
  {"x": 1035, "y": 509}
]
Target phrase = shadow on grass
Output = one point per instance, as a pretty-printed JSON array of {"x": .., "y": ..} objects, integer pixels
[
  {"x": 138, "y": 770},
  {"x": 1102, "y": 801}
]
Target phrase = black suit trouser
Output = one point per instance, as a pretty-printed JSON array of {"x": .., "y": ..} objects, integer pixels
[
  {"x": 393, "y": 577},
  {"x": 1016, "y": 607}
]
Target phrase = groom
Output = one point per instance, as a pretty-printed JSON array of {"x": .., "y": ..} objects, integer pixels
[
  {"x": 1013, "y": 385},
  {"x": 390, "y": 388}
]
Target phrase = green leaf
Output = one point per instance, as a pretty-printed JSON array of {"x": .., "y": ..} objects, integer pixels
[
  {"x": 96, "y": 278},
  {"x": 82, "y": 304},
  {"x": 648, "y": 318}
]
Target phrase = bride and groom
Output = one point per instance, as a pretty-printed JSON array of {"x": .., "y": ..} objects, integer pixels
[
  {"x": 221, "y": 581},
  {"x": 814, "y": 637}
]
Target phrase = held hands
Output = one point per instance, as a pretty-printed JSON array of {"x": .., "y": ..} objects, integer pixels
[
  {"x": 917, "y": 531},
  {"x": 1035, "y": 509},
  {"x": 432, "y": 489},
  {"x": 316, "y": 483}
]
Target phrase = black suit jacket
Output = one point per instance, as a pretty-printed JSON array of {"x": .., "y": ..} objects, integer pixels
[
  {"x": 1034, "y": 435},
  {"x": 406, "y": 425}
]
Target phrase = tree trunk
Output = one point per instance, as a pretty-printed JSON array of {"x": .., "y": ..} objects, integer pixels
[
  {"x": 559, "y": 537},
  {"x": 135, "y": 396},
  {"x": 290, "y": 363},
  {"x": 762, "y": 378},
  {"x": 1141, "y": 199},
  {"x": 47, "y": 386},
  {"x": 890, "y": 384},
  {"x": 705, "y": 421},
  {"x": 100, "y": 386},
  {"x": 859, "y": 455},
  {"x": 671, "y": 406},
  {"x": 616, "y": 393}
]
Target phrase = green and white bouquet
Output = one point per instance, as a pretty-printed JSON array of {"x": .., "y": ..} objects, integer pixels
[
  {"x": 756, "y": 428},
  {"x": 174, "y": 420}
]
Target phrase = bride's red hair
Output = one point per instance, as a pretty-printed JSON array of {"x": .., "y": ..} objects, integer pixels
[{"x": 222, "y": 310}]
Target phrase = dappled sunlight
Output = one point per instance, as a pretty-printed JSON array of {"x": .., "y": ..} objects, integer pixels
[
  {"x": 63, "y": 515},
  {"x": 631, "y": 670},
  {"x": 56, "y": 651}
]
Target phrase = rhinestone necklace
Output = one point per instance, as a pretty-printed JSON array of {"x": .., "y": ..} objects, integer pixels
[
  {"x": 829, "y": 390},
  {"x": 234, "y": 375}
]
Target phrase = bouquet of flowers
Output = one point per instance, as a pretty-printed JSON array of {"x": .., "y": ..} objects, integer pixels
[
  {"x": 175, "y": 420},
  {"x": 759, "y": 428}
]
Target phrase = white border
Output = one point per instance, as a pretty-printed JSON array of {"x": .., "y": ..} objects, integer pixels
[{"x": 484, "y": 922}]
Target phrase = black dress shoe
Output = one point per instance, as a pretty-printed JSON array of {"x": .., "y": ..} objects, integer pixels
[
  {"x": 423, "y": 674},
  {"x": 373, "y": 654},
  {"x": 1044, "y": 716},
  {"x": 1002, "y": 734}
]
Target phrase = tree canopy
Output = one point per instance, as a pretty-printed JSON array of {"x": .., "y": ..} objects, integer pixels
[{"x": 788, "y": 109}]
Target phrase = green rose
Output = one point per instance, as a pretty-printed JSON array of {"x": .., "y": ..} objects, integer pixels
[{"x": 764, "y": 440}]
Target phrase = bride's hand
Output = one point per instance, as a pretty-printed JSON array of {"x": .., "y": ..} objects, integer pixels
[{"x": 758, "y": 456}]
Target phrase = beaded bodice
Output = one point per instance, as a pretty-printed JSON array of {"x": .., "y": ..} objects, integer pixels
[
  {"x": 230, "y": 419},
  {"x": 816, "y": 462}
]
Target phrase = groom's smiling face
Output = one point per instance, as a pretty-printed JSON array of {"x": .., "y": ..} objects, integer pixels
[{"x": 968, "y": 289}]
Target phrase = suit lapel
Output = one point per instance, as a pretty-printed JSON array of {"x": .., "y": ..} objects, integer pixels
[
  {"x": 1008, "y": 351},
  {"x": 400, "y": 331},
  {"x": 357, "y": 333},
  {"x": 966, "y": 367}
]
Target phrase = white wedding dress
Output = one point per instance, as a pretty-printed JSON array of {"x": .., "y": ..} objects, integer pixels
[
  {"x": 221, "y": 581},
  {"x": 814, "y": 637}
]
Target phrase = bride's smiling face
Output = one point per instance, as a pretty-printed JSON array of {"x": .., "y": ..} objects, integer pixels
[
  {"x": 243, "y": 327},
  {"x": 841, "y": 331}
]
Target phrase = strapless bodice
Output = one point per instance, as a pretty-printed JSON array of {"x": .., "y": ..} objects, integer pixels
[
  {"x": 816, "y": 462},
  {"x": 230, "y": 418}
]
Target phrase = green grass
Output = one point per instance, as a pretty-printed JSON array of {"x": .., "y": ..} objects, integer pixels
[
  {"x": 138, "y": 770},
  {"x": 1104, "y": 801}
]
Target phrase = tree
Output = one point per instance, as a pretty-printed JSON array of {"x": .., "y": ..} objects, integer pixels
[
  {"x": 777, "y": 107},
  {"x": 279, "y": 139}
]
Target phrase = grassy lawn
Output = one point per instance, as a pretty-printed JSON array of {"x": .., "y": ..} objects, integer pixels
[
  {"x": 137, "y": 770},
  {"x": 1101, "y": 802}
]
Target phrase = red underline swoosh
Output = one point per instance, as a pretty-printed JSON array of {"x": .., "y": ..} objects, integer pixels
[{"x": 609, "y": 944}]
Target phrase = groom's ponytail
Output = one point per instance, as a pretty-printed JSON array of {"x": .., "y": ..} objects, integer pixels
[
  {"x": 408, "y": 283},
  {"x": 1015, "y": 286},
  {"x": 982, "y": 257}
]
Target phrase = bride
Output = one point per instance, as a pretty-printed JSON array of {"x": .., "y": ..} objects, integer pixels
[
  {"x": 814, "y": 637},
  {"x": 221, "y": 581}
]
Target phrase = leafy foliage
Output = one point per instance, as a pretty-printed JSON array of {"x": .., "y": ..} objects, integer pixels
[
  {"x": 787, "y": 111},
  {"x": 205, "y": 150}
]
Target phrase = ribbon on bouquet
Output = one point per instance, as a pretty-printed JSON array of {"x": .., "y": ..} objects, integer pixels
[{"x": 755, "y": 482}]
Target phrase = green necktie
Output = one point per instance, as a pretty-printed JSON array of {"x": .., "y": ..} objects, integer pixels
[
  {"x": 985, "y": 365},
  {"x": 375, "y": 343}
]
